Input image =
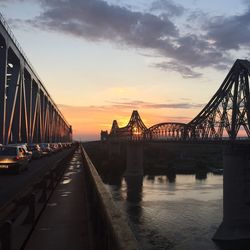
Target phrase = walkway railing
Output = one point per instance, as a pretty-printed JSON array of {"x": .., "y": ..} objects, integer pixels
[
  {"x": 20, "y": 214},
  {"x": 111, "y": 229}
]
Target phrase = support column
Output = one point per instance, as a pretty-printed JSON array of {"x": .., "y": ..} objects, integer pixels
[
  {"x": 134, "y": 165},
  {"x": 236, "y": 191},
  {"x": 134, "y": 171},
  {"x": 114, "y": 148}
]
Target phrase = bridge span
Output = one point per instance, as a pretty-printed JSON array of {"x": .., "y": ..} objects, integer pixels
[
  {"x": 225, "y": 120},
  {"x": 29, "y": 114},
  {"x": 27, "y": 111},
  {"x": 60, "y": 202},
  {"x": 225, "y": 117}
]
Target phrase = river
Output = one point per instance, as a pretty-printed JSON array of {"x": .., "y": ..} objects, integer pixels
[{"x": 180, "y": 213}]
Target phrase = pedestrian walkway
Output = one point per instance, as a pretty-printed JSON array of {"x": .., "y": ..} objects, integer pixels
[{"x": 64, "y": 224}]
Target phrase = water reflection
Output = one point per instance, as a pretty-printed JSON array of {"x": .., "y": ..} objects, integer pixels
[
  {"x": 134, "y": 187},
  {"x": 201, "y": 175},
  {"x": 135, "y": 212},
  {"x": 174, "y": 212},
  {"x": 171, "y": 177},
  {"x": 151, "y": 178}
]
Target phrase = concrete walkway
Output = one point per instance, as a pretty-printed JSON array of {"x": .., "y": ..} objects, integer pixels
[{"x": 64, "y": 224}]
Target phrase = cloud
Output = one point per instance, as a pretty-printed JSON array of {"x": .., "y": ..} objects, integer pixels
[
  {"x": 185, "y": 71},
  {"x": 149, "y": 105},
  {"x": 167, "y": 7},
  {"x": 97, "y": 20},
  {"x": 231, "y": 32},
  {"x": 193, "y": 41}
]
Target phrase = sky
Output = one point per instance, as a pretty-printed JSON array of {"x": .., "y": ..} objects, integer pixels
[{"x": 102, "y": 59}]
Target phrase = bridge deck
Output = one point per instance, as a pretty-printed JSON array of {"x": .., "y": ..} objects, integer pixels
[{"x": 65, "y": 223}]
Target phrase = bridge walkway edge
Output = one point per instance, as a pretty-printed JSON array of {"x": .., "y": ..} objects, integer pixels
[{"x": 65, "y": 224}]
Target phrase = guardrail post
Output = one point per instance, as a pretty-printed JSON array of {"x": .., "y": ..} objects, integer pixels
[{"x": 5, "y": 235}]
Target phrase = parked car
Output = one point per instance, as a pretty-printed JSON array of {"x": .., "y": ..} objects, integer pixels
[
  {"x": 45, "y": 147},
  {"x": 54, "y": 147},
  {"x": 13, "y": 158},
  {"x": 25, "y": 148},
  {"x": 60, "y": 146},
  {"x": 36, "y": 150}
]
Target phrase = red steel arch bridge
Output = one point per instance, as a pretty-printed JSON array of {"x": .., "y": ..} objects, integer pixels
[
  {"x": 225, "y": 117},
  {"x": 27, "y": 111}
]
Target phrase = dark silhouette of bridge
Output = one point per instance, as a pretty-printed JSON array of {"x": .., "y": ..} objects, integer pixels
[{"x": 226, "y": 116}]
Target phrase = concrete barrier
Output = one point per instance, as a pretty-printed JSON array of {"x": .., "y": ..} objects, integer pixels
[{"x": 111, "y": 229}]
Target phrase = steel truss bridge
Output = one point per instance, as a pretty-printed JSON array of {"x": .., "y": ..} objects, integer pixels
[
  {"x": 27, "y": 112},
  {"x": 225, "y": 117}
]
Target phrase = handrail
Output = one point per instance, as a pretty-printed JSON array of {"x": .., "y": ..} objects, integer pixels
[
  {"x": 14, "y": 217},
  {"x": 118, "y": 234}
]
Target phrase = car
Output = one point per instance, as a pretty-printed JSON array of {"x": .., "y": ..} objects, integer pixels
[
  {"x": 54, "y": 147},
  {"x": 24, "y": 146},
  {"x": 36, "y": 150},
  {"x": 13, "y": 158},
  {"x": 46, "y": 150}
]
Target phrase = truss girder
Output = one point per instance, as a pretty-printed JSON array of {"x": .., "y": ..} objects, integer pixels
[
  {"x": 227, "y": 113},
  {"x": 135, "y": 129},
  {"x": 114, "y": 128},
  {"x": 27, "y": 112},
  {"x": 166, "y": 131}
]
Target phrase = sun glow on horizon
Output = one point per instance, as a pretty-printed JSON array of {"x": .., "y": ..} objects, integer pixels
[{"x": 102, "y": 71}]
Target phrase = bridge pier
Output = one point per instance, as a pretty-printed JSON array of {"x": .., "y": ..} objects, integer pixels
[
  {"x": 114, "y": 148},
  {"x": 134, "y": 163},
  {"x": 134, "y": 170},
  {"x": 236, "y": 194}
]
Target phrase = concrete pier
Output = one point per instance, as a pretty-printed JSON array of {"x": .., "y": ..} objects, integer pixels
[
  {"x": 236, "y": 191},
  {"x": 114, "y": 148},
  {"x": 134, "y": 187},
  {"x": 134, "y": 163}
]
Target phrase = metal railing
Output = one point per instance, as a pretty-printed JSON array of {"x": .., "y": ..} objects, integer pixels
[
  {"x": 111, "y": 229},
  {"x": 20, "y": 214}
]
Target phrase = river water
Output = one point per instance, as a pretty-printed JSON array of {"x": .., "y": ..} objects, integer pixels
[{"x": 179, "y": 213}]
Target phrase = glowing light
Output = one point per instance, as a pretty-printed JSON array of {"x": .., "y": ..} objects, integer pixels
[{"x": 136, "y": 131}]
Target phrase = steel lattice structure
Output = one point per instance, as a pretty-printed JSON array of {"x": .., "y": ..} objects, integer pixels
[
  {"x": 228, "y": 111},
  {"x": 166, "y": 131},
  {"x": 226, "y": 116},
  {"x": 133, "y": 130},
  {"x": 27, "y": 112}
]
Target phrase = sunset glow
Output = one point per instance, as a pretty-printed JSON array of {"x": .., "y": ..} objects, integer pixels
[{"x": 102, "y": 59}]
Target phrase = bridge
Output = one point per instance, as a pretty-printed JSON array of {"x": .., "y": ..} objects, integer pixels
[
  {"x": 28, "y": 113},
  {"x": 225, "y": 117},
  {"x": 224, "y": 120},
  {"x": 34, "y": 213},
  {"x": 34, "y": 200}
]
